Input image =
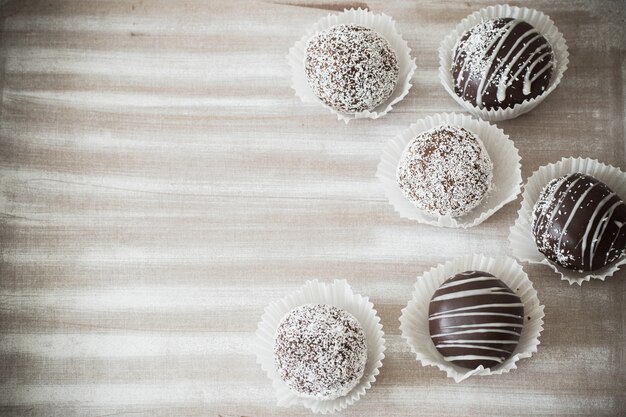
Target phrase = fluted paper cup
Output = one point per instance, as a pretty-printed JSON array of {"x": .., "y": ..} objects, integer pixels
[
  {"x": 414, "y": 318},
  {"x": 507, "y": 173},
  {"x": 540, "y": 21},
  {"x": 338, "y": 294},
  {"x": 380, "y": 23},
  {"x": 521, "y": 238}
]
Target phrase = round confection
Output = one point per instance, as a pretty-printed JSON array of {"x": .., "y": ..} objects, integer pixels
[
  {"x": 351, "y": 68},
  {"x": 445, "y": 171},
  {"x": 500, "y": 63},
  {"x": 475, "y": 319},
  {"x": 578, "y": 223},
  {"x": 320, "y": 351}
]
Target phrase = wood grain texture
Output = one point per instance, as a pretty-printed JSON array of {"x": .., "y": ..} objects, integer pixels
[{"x": 160, "y": 184}]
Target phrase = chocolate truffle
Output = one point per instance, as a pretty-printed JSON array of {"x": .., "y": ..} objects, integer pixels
[
  {"x": 320, "y": 351},
  {"x": 500, "y": 63},
  {"x": 445, "y": 171},
  {"x": 475, "y": 319},
  {"x": 351, "y": 68},
  {"x": 578, "y": 223}
]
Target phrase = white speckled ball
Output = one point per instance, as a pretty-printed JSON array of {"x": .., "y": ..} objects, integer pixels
[
  {"x": 351, "y": 68},
  {"x": 320, "y": 351},
  {"x": 445, "y": 171}
]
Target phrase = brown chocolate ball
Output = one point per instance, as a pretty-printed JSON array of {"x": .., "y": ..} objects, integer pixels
[
  {"x": 578, "y": 223},
  {"x": 475, "y": 319},
  {"x": 502, "y": 62}
]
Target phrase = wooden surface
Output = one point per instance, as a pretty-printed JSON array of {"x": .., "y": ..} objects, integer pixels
[{"x": 160, "y": 184}]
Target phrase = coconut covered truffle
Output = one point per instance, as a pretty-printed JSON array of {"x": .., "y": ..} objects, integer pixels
[
  {"x": 500, "y": 63},
  {"x": 320, "y": 351},
  {"x": 445, "y": 171},
  {"x": 578, "y": 223},
  {"x": 351, "y": 68}
]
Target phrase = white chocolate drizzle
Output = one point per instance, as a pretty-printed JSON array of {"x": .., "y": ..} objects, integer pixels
[
  {"x": 488, "y": 58},
  {"x": 475, "y": 319},
  {"x": 574, "y": 216}
]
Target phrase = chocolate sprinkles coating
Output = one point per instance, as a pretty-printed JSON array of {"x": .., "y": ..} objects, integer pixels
[
  {"x": 475, "y": 319},
  {"x": 351, "y": 68},
  {"x": 502, "y": 62},
  {"x": 320, "y": 351},
  {"x": 578, "y": 223},
  {"x": 445, "y": 171}
]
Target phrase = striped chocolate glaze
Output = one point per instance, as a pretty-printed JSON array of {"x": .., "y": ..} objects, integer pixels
[
  {"x": 502, "y": 62},
  {"x": 578, "y": 223},
  {"x": 475, "y": 319}
]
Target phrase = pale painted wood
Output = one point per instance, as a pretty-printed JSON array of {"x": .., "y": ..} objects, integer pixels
[{"x": 160, "y": 185}]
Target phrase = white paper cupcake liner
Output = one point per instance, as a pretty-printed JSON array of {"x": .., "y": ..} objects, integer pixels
[
  {"x": 507, "y": 174},
  {"x": 414, "y": 318},
  {"x": 340, "y": 295},
  {"x": 382, "y": 24},
  {"x": 537, "y": 19},
  {"x": 521, "y": 238}
]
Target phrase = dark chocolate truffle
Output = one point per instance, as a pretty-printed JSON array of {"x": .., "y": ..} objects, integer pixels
[
  {"x": 445, "y": 171},
  {"x": 578, "y": 223},
  {"x": 320, "y": 351},
  {"x": 351, "y": 68},
  {"x": 475, "y": 319},
  {"x": 500, "y": 63}
]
